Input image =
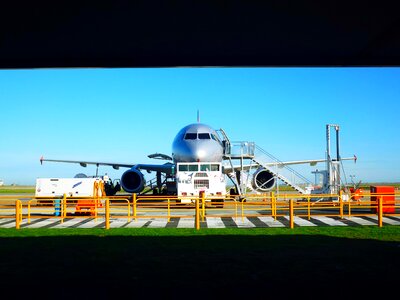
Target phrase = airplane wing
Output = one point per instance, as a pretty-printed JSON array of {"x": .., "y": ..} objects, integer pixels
[
  {"x": 165, "y": 168},
  {"x": 281, "y": 164},
  {"x": 115, "y": 166}
]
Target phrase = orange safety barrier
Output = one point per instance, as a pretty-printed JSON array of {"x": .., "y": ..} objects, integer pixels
[{"x": 87, "y": 206}]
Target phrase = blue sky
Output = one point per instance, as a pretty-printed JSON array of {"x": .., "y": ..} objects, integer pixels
[{"x": 122, "y": 115}]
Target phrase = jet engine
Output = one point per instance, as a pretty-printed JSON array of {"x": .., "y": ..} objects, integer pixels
[
  {"x": 263, "y": 180},
  {"x": 132, "y": 181}
]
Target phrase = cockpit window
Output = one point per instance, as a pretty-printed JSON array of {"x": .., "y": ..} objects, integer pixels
[
  {"x": 204, "y": 136},
  {"x": 213, "y": 136},
  {"x": 190, "y": 136}
]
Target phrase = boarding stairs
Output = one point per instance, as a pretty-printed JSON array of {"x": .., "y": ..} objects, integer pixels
[
  {"x": 253, "y": 157},
  {"x": 281, "y": 171}
]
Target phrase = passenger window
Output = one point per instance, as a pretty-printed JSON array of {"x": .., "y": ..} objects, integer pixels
[
  {"x": 193, "y": 168},
  {"x": 183, "y": 167},
  {"x": 190, "y": 136},
  {"x": 214, "y": 167},
  {"x": 204, "y": 136},
  {"x": 205, "y": 167}
]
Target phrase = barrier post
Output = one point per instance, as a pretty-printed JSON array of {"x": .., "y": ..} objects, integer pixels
[
  {"x": 291, "y": 213},
  {"x": 65, "y": 206},
  {"x": 129, "y": 210},
  {"x": 203, "y": 206},
  {"x": 169, "y": 209},
  {"x": 380, "y": 211},
  {"x": 107, "y": 213},
  {"x": 309, "y": 207},
  {"x": 29, "y": 211},
  {"x": 197, "y": 214},
  {"x": 62, "y": 215},
  {"x": 242, "y": 200},
  {"x": 134, "y": 206},
  {"x": 17, "y": 214},
  {"x": 236, "y": 210},
  {"x": 272, "y": 204}
]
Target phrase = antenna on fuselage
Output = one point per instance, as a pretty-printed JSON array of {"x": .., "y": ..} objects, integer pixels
[{"x": 198, "y": 116}]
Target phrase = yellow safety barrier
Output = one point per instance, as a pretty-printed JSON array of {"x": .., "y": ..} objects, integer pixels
[
  {"x": 291, "y": 213},
  {"x": 134, "y": 207},
  {"x": 107, "y": 214}
]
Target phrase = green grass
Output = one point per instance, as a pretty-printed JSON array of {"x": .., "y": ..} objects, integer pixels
[
  {"x": 386, "y": 233},
  {"x": 9, "y": 189},
  {"x": 184, "y": 263}
]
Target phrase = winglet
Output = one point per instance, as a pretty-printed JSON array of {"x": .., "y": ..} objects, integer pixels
[
  {"x": 41, "y": 160},
  {"x": 355, "y": 158}
]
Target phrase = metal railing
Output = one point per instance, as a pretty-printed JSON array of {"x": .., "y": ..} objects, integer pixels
[{"x": 23, "y": 210}]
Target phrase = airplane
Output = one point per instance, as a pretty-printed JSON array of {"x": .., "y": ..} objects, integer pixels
[{"x": 197, "y": 164}]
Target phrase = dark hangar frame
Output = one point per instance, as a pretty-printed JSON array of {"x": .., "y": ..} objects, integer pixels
[{"x": 67, "y": 34}]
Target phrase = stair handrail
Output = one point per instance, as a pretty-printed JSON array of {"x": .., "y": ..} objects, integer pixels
[{"x": 282, "y": 165}]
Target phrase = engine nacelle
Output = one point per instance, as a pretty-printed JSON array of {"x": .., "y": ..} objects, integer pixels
[
  {"x": 132, "y": 181},
  {"x": 263, "y": 180}
]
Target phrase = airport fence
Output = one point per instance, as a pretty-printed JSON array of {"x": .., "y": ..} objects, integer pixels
[{"x": 17, "y": 211}]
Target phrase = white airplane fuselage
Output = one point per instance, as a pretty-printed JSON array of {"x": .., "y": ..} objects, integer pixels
[
  {"x": 197, "y": 143},
  {"x": 197, "y": 152}
]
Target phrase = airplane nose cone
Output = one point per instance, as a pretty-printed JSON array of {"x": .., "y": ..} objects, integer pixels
[{"x": 200, "y": 154}]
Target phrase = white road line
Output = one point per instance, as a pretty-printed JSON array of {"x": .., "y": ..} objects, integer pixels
[
  {"x": 185, "y": 223},
  {"x": 329, "y": 221},
  {"x": 158, "y": 223},
  {"x": 212, "y": 222},
  {"x": 360, "y": 221},
  {"x": 215, "y": 222},
  {"x": 390, "y": 221},
  {"x": 42, "y": 223},
  {"x": 93, "y": 223},
  {"x": 301, "y": 221},
  {"x": 271, "y": 222},
  {"x": 386, "y": 220},
  {"x": 245, "y": 223},
  {"x": 396, "y": 217},
  {"x": 137, "y": 224},
  {"x": 9, "y": 225},
  {"x": 69, "y": 222}
]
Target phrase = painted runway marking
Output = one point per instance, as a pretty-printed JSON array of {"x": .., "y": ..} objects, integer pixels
[
  {"x": 359, "y": 221},
  {"x": 70, "y": 223},
  {"x": 186, "y": 223},
  {"x": 386, "y": 220},
  {"x": 245, "y": 223},
  {"x": 301, "y": 221},
  {"x": 214, "y": 222},
  {"x": 7, "y": 221},
  {"x": 158, "y": 223},
  {"x": 271, "y": 222},
  {"x": 209, "y": 222},
  {"x": 42, "y": 223},
  {"x": 137, "y": 224},
  {"x": 329, "y": 221}
]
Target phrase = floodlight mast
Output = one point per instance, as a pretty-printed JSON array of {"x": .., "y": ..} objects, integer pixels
[{"x": 332, "y": 173}]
